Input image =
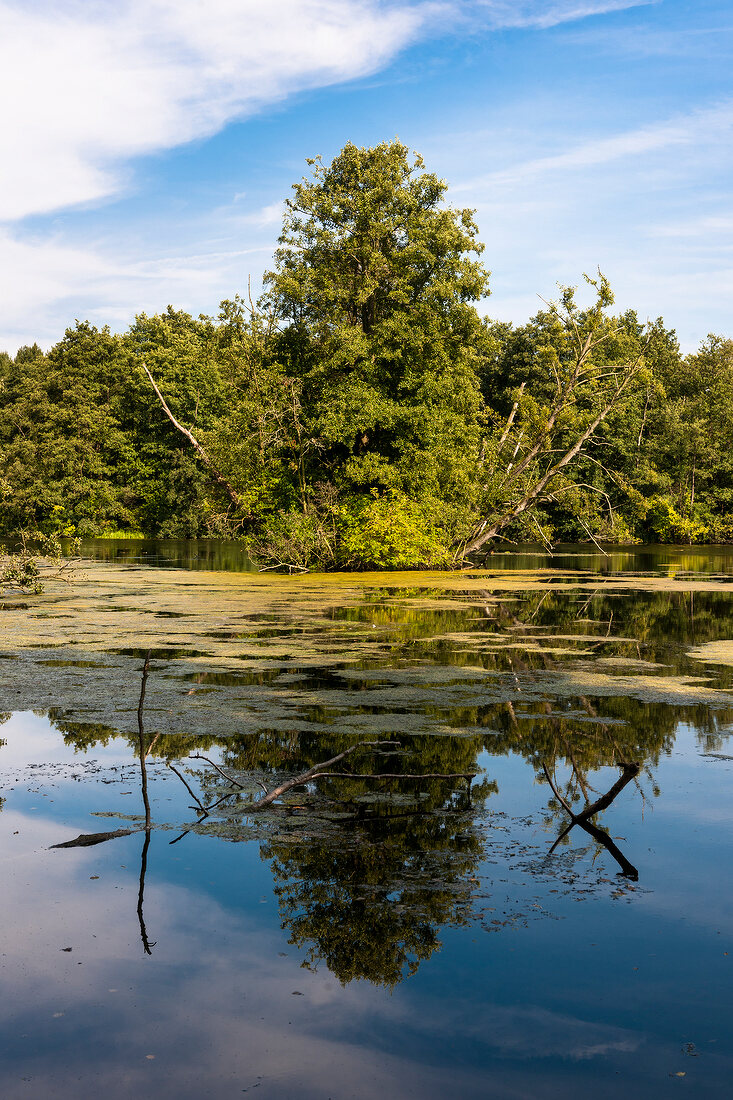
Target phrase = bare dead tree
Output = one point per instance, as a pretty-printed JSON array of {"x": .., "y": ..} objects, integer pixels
[{"x": 537, "y": 463}]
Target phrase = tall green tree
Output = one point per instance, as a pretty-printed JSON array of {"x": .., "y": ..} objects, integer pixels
[
  {"x": 60, "y": 443},
  {"x": 375, "y": 284}
]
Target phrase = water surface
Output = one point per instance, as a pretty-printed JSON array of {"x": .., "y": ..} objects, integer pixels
[{"x": 398, "y": 930}]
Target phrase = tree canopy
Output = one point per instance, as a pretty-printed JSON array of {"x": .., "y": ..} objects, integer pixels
[{"x": 365, "y": 412}]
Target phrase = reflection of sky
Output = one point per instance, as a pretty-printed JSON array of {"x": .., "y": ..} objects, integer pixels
[{"x": 602, "y": 994}]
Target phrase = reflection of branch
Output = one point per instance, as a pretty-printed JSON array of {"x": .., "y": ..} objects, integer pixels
[
  {"x": 85, "y": 840},
  {"x": 556, "y": 792},
  {"x": 141, "y": 737},
  {"x": 186, "y": 785},
  {"x": 143, "y": 868},
  {"x": 629, "y": 772},
  {"x": 603, "y": 838},
  {"x": 318, "y": 771}
]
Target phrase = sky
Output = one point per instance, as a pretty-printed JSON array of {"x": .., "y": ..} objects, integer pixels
[{"x": 148, "y": 145}]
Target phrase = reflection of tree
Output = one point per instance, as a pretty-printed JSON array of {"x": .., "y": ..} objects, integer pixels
[
  {"x": 370, "y": 864},
  {"x": 143, "y": 748},
  {"x": 4, "y": 716},
  {"x": 368, "y": 868},
  {"x": 368, "y": 897},
  {"x": 147, "y": 945}
]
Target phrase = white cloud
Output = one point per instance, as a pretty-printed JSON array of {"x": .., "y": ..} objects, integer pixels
[
  {"x": 46, "y": 283},
  {"x": 87, "y": 86},
  {"x": 90, "y": 85}
]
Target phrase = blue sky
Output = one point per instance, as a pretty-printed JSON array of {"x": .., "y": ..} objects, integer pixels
[{"x": 148, "y": 144}]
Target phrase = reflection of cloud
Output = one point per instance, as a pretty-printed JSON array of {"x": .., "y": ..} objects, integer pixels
[
  {"x": 534, "y": 1032},
  {"x": 215, "y": 1002}
]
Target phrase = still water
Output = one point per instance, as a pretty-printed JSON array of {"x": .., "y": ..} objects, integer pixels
[
  {"x": 229, "y": 555},
  {"x": 557, "y": 925}
]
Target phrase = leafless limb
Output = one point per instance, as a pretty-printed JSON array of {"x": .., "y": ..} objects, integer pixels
[
  {"x": 187, "y": 786},
  {"x": 200, "y": 451},
  {"x": 200, "y": 756},
  {"x": 510, "y": 418}
]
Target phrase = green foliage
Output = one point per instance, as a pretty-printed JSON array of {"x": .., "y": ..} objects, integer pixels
[
  {"x": 363, "y": 415},
  {"x": 374, "y": 283},
  {"x": 23, "y": 568},
  {"x": 390, "y": 531}
]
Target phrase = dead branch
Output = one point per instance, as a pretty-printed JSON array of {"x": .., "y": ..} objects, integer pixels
[
  {"x": 200, "y": 451},
  {"x": 629, "y": 772},
  {"x": 510, "y": 418}
]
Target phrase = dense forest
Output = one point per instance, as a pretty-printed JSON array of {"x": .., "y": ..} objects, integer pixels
[{"x": 364, "y": 412}]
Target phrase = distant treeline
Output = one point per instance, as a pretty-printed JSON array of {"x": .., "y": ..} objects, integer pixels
[{"x": 363, "y": 413}]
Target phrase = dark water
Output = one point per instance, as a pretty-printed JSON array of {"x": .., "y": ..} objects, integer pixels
[
  {"x": 375, "y": 934},
  {"x": 217, "y": 554},
  {"x": 229, "y": 556}
]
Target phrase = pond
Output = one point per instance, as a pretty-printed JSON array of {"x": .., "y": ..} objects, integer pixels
[{"x": 512, "y": 880}]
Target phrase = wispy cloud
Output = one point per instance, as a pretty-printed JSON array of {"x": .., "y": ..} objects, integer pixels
[
  {"x": 88, "y": 86},
  {"x": 539, "y": 13},
  {"x": 711, "y": 123},
  {"x": 651, "y": 205},
  {"x": 45, "y": 283}
]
